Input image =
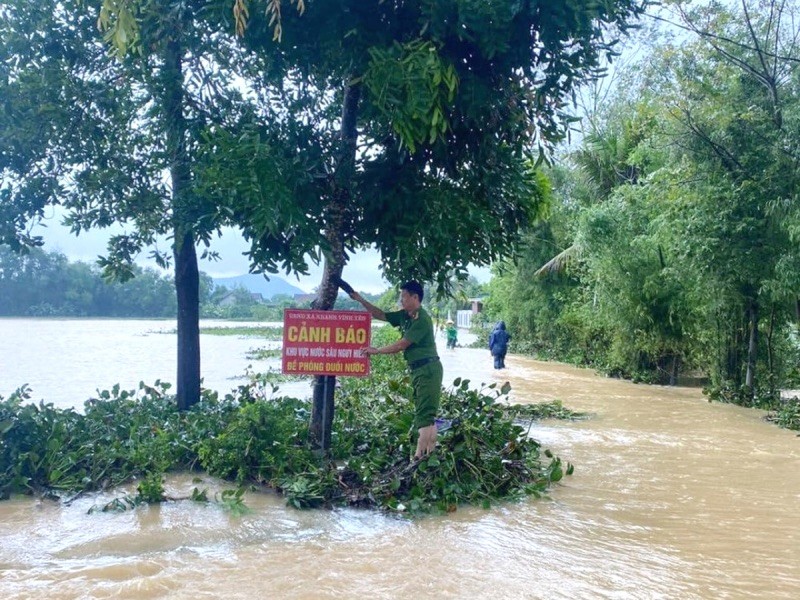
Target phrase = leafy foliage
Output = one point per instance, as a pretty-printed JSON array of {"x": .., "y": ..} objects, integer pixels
[
  {"x": 46, "y": 284},
  {"x": 787, "y": 414},
  {"x": 413, "y": 125},
  {"x": 671, "y": 248},
  {"x": 261, "y": 443},
  {"x": 119, "y": 436},
  {"x": 412, "y": 87},
  {"x": 408, "y": 126},
  {"x": 486, "y": 456}
]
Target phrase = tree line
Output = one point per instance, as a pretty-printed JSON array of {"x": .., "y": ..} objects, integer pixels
[
  {"x": 47, "y": 284},
  {"x": 672, "y": 245},
  {"x": 44, "y": 284}
]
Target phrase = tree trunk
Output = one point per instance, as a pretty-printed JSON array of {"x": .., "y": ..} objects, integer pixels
[
  {"x": 770, "y": 332},
  {"x": 322, "y": 409},
  {"x": 752, "y": 350},
  {"x": 187, "y": 286},
  {"x": 673, "y": 375},
  {"x": 733, "y": 373},
  {"x": 187, "y": 277}
]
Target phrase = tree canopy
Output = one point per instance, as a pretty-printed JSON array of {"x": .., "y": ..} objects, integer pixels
[
  {"x": 436, "y": 110},
  {"x": 414, "y": 127},
  {"x": 680, "y": 213}
]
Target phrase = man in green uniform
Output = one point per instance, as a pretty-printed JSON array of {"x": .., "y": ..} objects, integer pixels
[
  {"x": 419, "y": 350},
  {"x": 452, "y": 334}
]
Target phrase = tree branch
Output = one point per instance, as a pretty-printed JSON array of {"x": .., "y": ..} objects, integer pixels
[{"x": 708, "y": 34}]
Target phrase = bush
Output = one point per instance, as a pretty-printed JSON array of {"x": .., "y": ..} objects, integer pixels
[{"x": 485, "y": 456}]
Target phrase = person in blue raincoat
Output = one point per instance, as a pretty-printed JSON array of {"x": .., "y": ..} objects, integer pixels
[{"x": 498, "y": 344}]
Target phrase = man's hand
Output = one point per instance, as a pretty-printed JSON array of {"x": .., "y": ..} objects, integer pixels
[
  {"x": 346, "y": 287},
  {"x": 426, "y": 442}
]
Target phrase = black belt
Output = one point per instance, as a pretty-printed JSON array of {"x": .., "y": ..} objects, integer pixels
[{"x": 416, "y": 364}]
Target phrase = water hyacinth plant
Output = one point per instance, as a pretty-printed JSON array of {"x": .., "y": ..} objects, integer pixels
[{"x": 485, "y": 454}]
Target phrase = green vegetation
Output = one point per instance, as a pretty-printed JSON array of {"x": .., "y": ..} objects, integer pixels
[
  {"x": 671, "y": 250},
  {"x": 458, "y": 299},
  {"x": 239, "y": 304},
  {"x": 664, "y": 246},
  {"x": 272, "y": 379},
  {"x": 264, "y": 333},
  {"x": 787, "y": 414},
  {"x": 486, "y": 456},
  {"x": 45, "y": 284},
  {"x": 264, "y": 353}
]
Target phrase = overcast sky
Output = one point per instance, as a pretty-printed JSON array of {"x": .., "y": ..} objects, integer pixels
[{"x": 362, "y": 272}]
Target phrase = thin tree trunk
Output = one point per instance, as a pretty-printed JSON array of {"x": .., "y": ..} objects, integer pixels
[
  {"x": 187, "y": 277},
  {"x": 322, "y": 410},
  {"x": 770, "y": 331},
  {"x": 752, "y": 350},
  {"x": 673, "y": 375},
  {"x": 734, "y": 366}
]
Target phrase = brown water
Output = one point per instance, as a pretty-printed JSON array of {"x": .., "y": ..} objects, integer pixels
[{"x": 672, "y": 497}]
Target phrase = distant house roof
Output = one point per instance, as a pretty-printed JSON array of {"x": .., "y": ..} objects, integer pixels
[
  {"x": 227, "y": 299},
  {"x": 304, "y": 297}
]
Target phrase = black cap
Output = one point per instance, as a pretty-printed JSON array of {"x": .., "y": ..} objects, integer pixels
[{"x": 413, "y": 287}]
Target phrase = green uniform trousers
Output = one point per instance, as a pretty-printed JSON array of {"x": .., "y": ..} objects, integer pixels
[{"x": 427, "y": 383}]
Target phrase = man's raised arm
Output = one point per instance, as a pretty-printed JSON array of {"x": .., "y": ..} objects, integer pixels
[{"x": 376, "y": 312}]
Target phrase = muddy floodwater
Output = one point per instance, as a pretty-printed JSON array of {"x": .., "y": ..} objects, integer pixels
[{"x": 672, "y": 497}]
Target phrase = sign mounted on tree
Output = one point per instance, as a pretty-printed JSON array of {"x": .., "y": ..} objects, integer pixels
[{"x": 325, "y": 342}]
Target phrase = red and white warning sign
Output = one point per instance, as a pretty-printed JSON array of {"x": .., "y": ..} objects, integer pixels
[{"x": 325, "y": 342}]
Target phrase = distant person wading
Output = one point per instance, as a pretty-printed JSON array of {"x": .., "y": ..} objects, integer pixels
[
  {"x": 452, "y": 335},
  {"x": 498, "y": 344}
]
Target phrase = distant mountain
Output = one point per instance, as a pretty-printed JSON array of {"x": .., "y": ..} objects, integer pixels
[{"x": 256, "y": 283}]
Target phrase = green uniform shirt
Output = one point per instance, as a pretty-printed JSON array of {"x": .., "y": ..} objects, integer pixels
[
  {"x": 418, "y": 331},
  {"x": 426, "y": 380}
]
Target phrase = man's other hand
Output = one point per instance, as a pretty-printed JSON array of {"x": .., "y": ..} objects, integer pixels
[{"x": 426, "y": 442}]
